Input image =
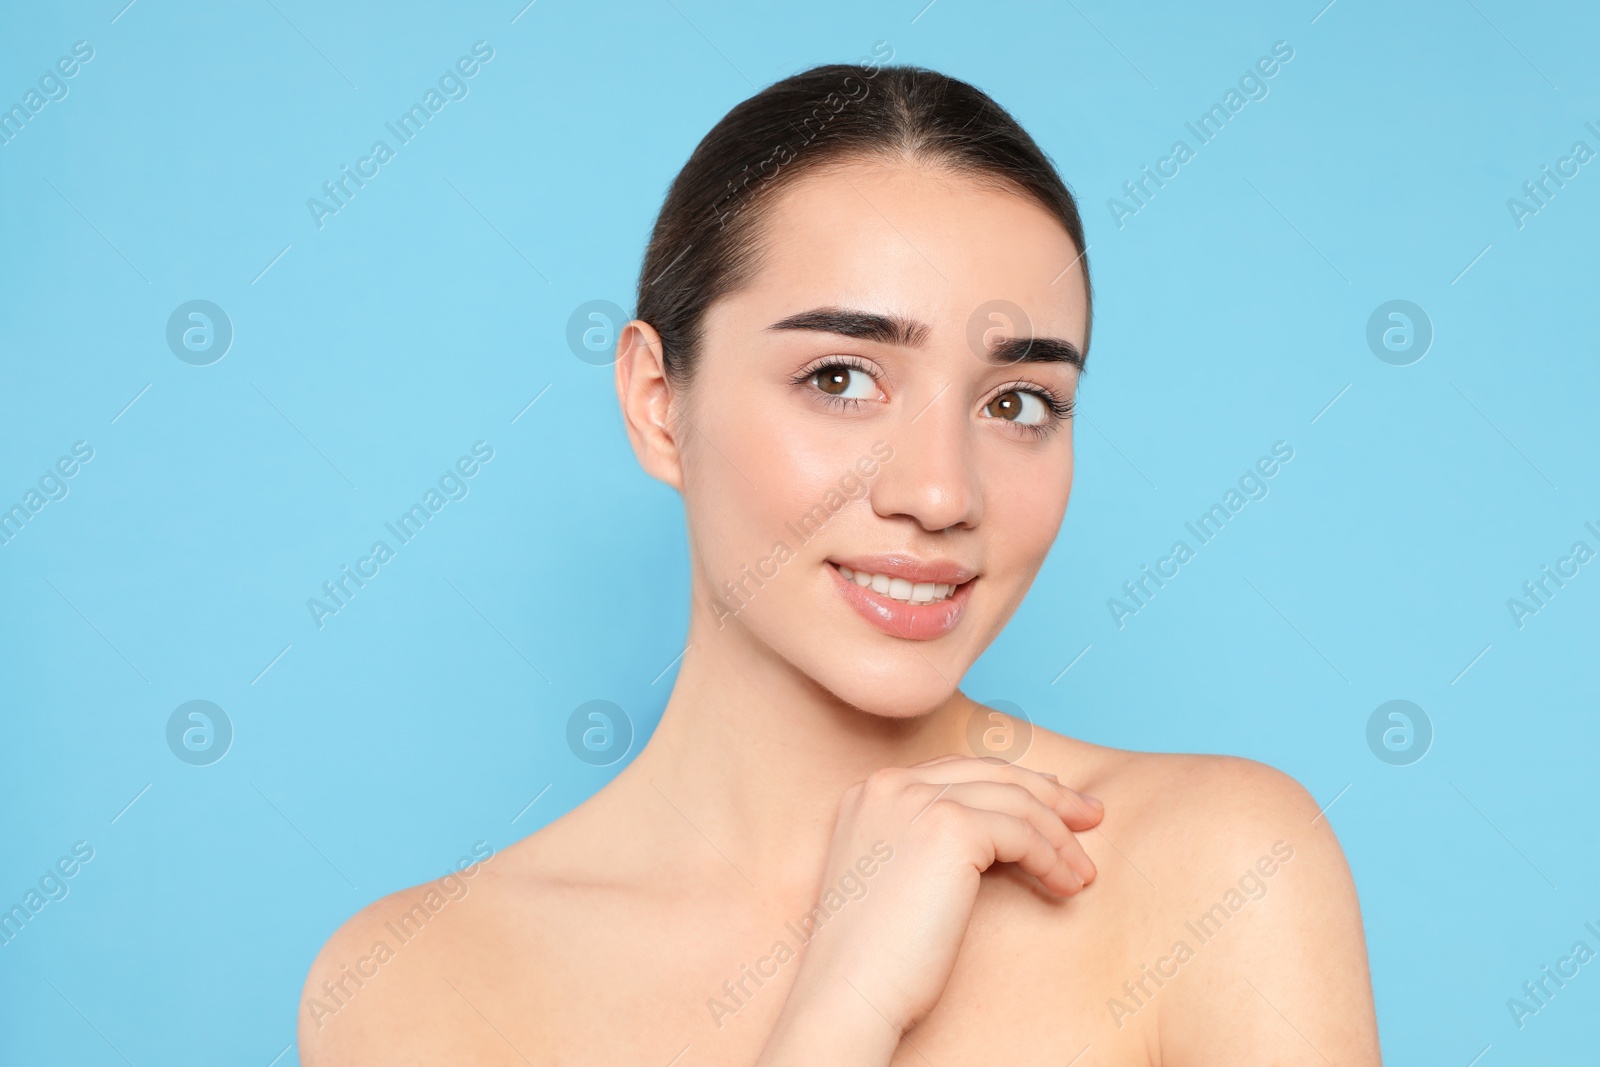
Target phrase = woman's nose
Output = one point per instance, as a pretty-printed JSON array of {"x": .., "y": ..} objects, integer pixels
[{"x": 933, "y": 478}]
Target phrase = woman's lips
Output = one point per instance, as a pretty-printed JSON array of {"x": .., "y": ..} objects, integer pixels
[{"x": 900, "y": 618}]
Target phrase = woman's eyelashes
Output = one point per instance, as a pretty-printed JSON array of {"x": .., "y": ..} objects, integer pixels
[
  {"x": 848, "y": 380},
  {"x": 1029, "y": 407},
  {"x": 841, "y": 380}
]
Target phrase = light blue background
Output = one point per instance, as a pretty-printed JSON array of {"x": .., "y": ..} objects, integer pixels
[{"x": 431, "y": 310}]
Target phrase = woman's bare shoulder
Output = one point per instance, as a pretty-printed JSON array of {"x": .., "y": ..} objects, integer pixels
[
  {"x": 1192, "y": 826},
  {"x": 1257, "y": 905},
  {"x": 415, "y": 966},
  {"x": 1204, "y": 801}
]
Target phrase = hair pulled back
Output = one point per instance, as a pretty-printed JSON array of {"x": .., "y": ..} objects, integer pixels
[{"x": 705, "y": 243}]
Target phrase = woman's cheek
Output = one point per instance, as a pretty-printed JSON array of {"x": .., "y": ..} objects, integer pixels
[
  {"x": 755, "y": 511},
  {"x": 801, "y": 462},
  {"x": 1030, "y": 503}
]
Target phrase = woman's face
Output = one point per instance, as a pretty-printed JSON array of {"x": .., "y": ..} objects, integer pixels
[{"x": 871, "y": 483}]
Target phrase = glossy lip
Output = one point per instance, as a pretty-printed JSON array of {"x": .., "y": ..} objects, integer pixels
[
  {"x": 912, "y": 569},
  {"x": 897, "y": 618}
]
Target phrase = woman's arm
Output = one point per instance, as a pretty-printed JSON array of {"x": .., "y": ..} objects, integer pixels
[{"x": 926, "y": 834}]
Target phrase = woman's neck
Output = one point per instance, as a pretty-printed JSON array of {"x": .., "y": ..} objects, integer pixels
[{"x": 756, "y": 755}]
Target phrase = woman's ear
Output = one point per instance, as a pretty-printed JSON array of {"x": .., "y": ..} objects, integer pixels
[{"x": 646, "y": 394}]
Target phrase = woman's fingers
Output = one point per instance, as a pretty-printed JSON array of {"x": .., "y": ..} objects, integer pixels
[
  {"x": 1011, "y": 800},
  {"x": 1025, "y": 800},
  {"x": 1078, "y": 810},
  {"x": 1021, "y": 803},
  {"x": 1014, "y": 840},
  {"x": 1083, "y": 812}
]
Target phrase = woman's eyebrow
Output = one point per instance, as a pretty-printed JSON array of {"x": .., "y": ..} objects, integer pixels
[
  {"x": 898, "y": 330},
  {"x": 866, "y": 325},
  {"x": 1035, "y": 350}
]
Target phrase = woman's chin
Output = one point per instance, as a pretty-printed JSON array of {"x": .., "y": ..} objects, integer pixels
[{"x": 908, "y": 697}]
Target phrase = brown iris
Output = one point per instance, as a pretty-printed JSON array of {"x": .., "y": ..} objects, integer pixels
[
  {"x": 832, "y": 380},
  {"x": 1006, "y": 406}
]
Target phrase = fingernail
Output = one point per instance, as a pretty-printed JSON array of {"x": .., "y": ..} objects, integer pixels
[
  {"x": 1053, "y": 778},
  {"x": 1096, "y": 801}
]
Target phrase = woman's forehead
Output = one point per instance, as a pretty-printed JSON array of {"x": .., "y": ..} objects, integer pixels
[{"x": 923, "y": 242}]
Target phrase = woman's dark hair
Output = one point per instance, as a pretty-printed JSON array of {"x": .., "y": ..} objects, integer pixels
[{"x": 705, "y": 243}]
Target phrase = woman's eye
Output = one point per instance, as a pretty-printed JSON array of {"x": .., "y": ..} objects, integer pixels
[
  {"x": 1027, "y": 409},
  {"x": 847, "y": 383}
]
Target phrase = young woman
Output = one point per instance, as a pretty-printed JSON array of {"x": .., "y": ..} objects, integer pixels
[{"x": 861, "y": 321}]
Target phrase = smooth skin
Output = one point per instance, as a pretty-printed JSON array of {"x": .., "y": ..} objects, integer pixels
[{"x": 1025, "y": 913}]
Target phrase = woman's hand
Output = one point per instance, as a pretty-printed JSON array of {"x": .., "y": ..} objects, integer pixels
[{"x": 879, "y": 964}]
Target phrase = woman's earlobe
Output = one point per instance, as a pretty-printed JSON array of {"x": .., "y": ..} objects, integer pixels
[{"x": 645, "y": 393}]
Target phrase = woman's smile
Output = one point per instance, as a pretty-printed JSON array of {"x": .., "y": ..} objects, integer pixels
[{"x": 905, "y": 597}]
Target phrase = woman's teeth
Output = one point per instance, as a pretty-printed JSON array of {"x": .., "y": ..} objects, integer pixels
[{"x": 900, "y": 588}]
